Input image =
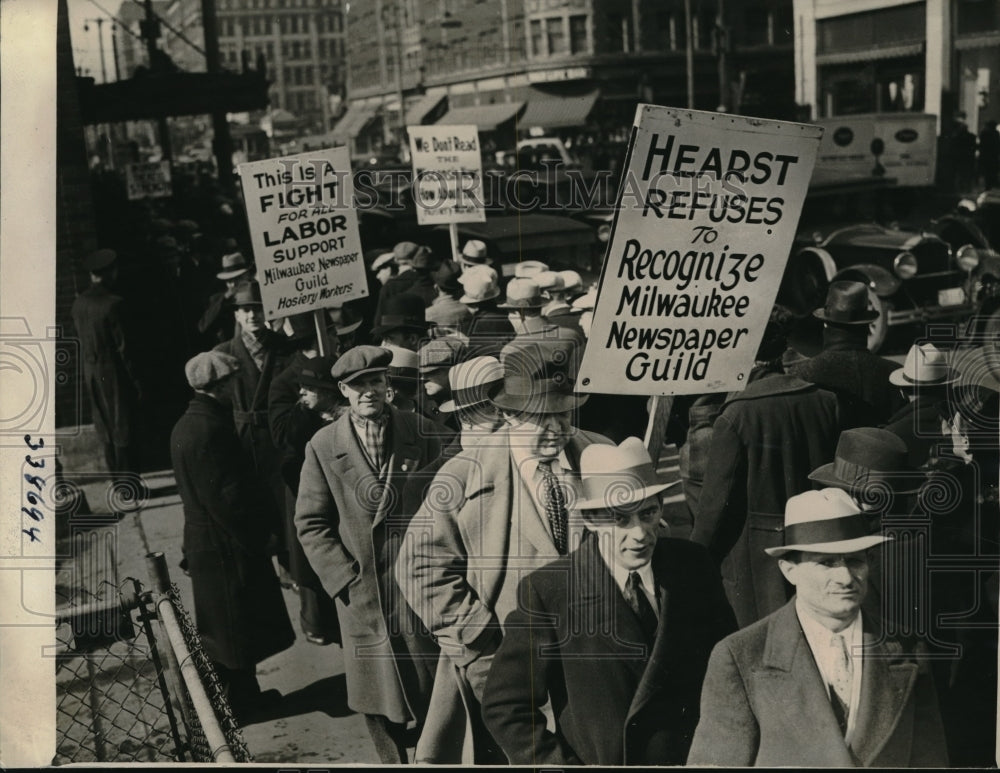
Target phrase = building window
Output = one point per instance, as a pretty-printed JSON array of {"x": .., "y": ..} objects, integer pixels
[
  {"x": 537, "y": 45},
  {"x": 616, "y": 32},
  {"x": 881, "y": 86},
  {"x": 296, "y": 49},
  {"x": 898, "y": 24},
  {"x": 556, "y": 33},
  {"x": 976, "y": 16},
  {"x": 578, "y": 35}
]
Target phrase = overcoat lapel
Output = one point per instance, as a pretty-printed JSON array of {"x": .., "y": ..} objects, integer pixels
[
  {"x": 600, "y": 606},
  {"x": 885, "y": 690},
  {"x": 530, "y": 522},
  {"x": 404, "y": 452},
  {"x": 349, "y": 461},
  {"x": 790, "y": 685},
  {"x": 655, "y": 675}
]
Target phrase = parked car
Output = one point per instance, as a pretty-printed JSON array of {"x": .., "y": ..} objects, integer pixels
[{"x": 912, "y": 277}]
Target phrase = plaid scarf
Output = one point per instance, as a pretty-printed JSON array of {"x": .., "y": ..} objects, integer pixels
[
  {"x": 255, "y": 347},
  {"x": 372, "y": 434}
]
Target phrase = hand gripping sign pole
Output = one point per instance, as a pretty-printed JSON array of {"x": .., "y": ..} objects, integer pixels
[
  {"x": 304, "y": 231},
  {"x": 706, "y": 213},
  {"x": 447, "y": 177}
]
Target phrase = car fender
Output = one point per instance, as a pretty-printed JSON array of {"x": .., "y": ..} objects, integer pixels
[{"x": 882, "y": 281}]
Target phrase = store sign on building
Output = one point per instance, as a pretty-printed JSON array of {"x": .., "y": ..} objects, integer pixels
[
  {"x": 148, "y": 180},
  {"x": 898, "y": 146},
  {"x": 706, "y": 213},
  {"x": 304, "y": 231},
  {"x": 562, "y": 74},
  {"x": 447, "y": 174}
]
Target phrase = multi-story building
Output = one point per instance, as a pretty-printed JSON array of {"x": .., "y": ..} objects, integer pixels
[
  {"x": 875, "y": 56},
  {"x": 574, "y": 67},
  {"x": 302, "y": 42},
  {"x": 128, "y": 41}
]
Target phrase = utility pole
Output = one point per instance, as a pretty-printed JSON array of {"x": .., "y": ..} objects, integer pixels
[
  {"x": 151, "y": 31},
  {"x": 688, "y": 30},
  {"x": 722, "y": 45},
  {"x": 114, "y": 50},
  {"x": 100, "y": 43},
  {"x": 222, "y": 144}
]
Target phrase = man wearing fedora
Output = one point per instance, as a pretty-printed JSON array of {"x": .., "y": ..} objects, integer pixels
[
  {"x": 238, "y": 606},
  {"x": 616, "y": 635},
  {"x": 845, "y": 367},
  {"x": 923, "y": 380},
  {"x": 106, "y": 354},
  {"x": 261, "y": 354},
  {"x": 489, "y": 328},
  {"x": 524, "y": 304},
  {"x": 763, "y": 445},
  {"x": 436, "y": 359},
  {"x": 215, "y": 323},
  {"x": 403, "y": 323},
  {"x": 559, "y": 287},
  {"x": 446, "y": 311},
  {"x": 816, "y": 683},
  {"x": 474, "y": 253},
  {"x": 416, "y": 263},
  {"x": 499, "y": 508},
  {"x": 350, "y": 521}
]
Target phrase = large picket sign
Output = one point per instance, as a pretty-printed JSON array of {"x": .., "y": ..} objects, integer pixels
[
  {"x": 447, "y": 174},
  {"x": 304, "y": 231},
  {"x": 707, "y": 211}
]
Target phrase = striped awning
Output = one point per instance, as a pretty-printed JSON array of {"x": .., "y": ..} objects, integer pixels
[
  {"x": 354, "y": 121},
  {"x": 551, "y": 111},
  {"x": 985, "y": 40},
  {"x": 485, "y": 117},
  {"x": 870, "y": 54},
  {"x": 424, "y": 106}
]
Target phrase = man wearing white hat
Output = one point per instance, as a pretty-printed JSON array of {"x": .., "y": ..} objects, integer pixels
[
  {"x": 816, "y": 683},
  {"x": 474, "y": 253},
  {"x": 489, "y": 329},
  {"x": 558, "y": 287},
  {"x": 923, "y": 380},
  {"x": 616, "y": 634}
]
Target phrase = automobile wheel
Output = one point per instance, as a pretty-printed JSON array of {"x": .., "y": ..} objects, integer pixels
[{"x": 879, "y": 327}]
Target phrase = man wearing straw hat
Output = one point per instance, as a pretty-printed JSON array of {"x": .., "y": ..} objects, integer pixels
[
  {"x": 923, "y": 380},
  {"x": 616, "y": 634},
  {"x": 498, "y": 509},
  {"x": 816, "y": 683}
]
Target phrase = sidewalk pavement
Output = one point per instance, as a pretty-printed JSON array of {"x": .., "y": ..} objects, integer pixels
[{"x": 312, "y": 723}]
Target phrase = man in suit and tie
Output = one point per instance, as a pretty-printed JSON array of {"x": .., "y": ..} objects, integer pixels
[
  {"x": 494, "y": 512},
  {"x": 350, "y": 519},
  {"x": 616, "y": 635},
  {"x": 816, "y": 683}
]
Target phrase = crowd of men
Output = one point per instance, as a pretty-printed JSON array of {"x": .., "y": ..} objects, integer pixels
[{"x": 489, "y": 547}]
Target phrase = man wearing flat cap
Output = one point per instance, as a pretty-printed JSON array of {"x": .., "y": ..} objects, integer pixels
[
  {"x": 350, "y": 520},
  {"x": 616, "y": 635},
  {"x": 816, "y": 683},
  {"x": 99, "y": 318},
  {"x": 499, "y": 509},
  {"x": 239, "y": 609},
  {"x": 845, "y": 367}
]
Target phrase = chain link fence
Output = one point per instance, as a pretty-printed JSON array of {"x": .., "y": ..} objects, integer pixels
[{"x": 133, "y": 681}]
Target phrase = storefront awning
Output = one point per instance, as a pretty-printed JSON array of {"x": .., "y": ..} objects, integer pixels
[
  {"x": 422, "y": 108},
  {"x": 870, "y": 54},
  {"x": 485, "y": 117},
  {"x": 354, "y": 121},
  {"x": 985, "y": 40},
  {"x": 550, "y": 111}
]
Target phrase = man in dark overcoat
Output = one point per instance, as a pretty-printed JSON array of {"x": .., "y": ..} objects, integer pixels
[
  {"x": 261, "y": 354},
  {"x": 616, "y": 635},
  {"x": 858, "y": 378},
  {"x": 350, "y": 521},
  {"x": 818, "y": 683},
  {"x": 923, "y": 380},
  {"x": 765, "y": 442},
  {"x": 294, "y": 418},
  {"x": 107, "y": 363},
  {"x": 239, "y": 609}
]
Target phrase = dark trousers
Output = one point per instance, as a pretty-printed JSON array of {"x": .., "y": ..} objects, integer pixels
[
  {"x": 240, "y": 686},
  {"x": 318, "y": 614},
  {"x": 390, "y": 739}
]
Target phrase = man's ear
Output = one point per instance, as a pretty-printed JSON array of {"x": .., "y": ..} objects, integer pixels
[
  {"x": 788, "y": 569},
  {"x": 344, "y": 389}
]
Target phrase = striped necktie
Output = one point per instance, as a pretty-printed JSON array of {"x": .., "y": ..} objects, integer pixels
[{"x": 555, "y": 506}]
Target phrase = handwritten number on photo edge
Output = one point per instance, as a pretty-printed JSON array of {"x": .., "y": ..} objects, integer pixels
[
  {"x": 33, "y": 446},
  {"x": 37, "y": 465},
  {"x": 34, "y": 513},
  {"x": 35, "y": 499},
  {"x": 31, "y": 533},
  {"x": 35, "y": 480}
]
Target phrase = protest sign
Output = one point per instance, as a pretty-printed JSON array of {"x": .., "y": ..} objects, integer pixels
[
  {"x": 304, "y": 231},
  {"x": 148, "y": 180},
  {"x": 447, "y": 174},
  {"x": 706, "y": 213}
]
